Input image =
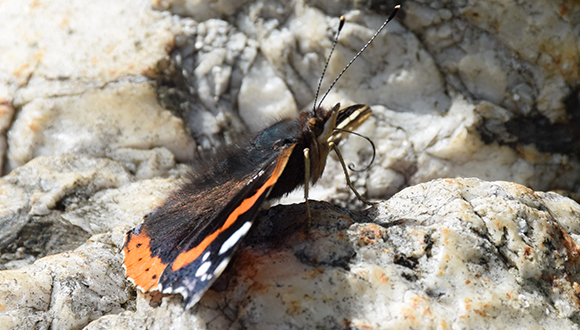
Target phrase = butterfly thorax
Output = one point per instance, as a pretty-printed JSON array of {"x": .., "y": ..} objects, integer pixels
[{"x": 310, "y": 126}]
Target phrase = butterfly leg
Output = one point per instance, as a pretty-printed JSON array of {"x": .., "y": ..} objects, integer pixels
[
  {"x": 334, "y": 147},
  {"x": 307, "y": 181}
]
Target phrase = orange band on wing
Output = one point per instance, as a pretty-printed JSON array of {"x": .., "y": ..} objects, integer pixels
[
  {"x": 141, "y": 266},
  {"x": 189, "y": 256}
]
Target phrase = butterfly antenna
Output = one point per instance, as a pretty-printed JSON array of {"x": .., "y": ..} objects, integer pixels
[
  {"x": 340, "y": 26},
  {"x": 395, "y": 10}
]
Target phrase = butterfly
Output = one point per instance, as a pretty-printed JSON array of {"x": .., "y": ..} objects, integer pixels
[{"x": 186, "y": 243}]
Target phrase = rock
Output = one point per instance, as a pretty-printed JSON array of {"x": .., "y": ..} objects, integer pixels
[
  {"x": 119, "y": 116},
  {"x": 460, "y": 253},
  {"x": 56, "y": 203},
  {"x": 33, "y": 198},
  {"x": 65, "y": 291}
]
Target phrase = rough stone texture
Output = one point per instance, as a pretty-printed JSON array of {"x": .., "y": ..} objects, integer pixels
[
  {"x": 46, "y": 213},
  {"x": 123, "y": 114},
  {"x": 98, "y": 100},
  {"x": 452, "y": 253},
  {"x": 6, "y": 114},
  {"x": 32, "y": 195},
  {"x": 83, "y": 66},
  {"x": 59, "y": 40},
  {"x": 65, "y": 291},
  {"x": 55, "y": 203}
]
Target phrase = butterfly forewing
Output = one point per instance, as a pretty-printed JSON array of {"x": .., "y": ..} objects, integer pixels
[{"x": 187, "y": 242}]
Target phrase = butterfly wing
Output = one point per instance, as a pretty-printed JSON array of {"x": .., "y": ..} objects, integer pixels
[{"x": 185, "y": 244}]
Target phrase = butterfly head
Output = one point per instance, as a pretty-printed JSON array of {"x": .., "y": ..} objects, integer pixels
[
  {"x": 330, "y": 125},
  {"x": 323, "y": 126}
]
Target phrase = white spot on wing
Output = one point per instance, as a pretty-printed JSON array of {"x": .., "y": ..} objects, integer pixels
[
  {"x": 203, "y": 269},
  {"x": 220, "y": 268},
  {"x": 232, "y": 240},
  {"x": 205, "y": 256}
]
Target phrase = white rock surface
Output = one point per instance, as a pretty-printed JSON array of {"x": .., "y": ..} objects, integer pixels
[
  {"x": 123, "y": 114},
  {"x": 80, "y": 41},
  {"x": 82, "y": 65}
]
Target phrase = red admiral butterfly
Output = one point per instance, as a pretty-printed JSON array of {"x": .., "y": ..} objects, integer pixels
[{"x": 187, "y": 242}]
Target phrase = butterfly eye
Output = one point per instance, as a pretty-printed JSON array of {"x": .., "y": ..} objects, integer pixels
[{"x": 316, "y": 126}]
